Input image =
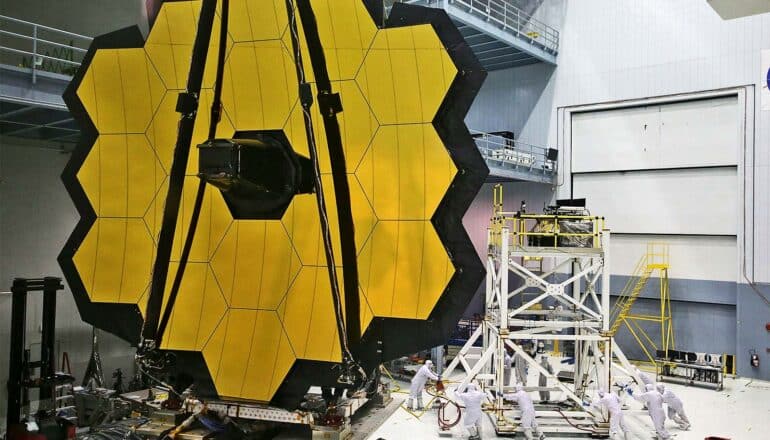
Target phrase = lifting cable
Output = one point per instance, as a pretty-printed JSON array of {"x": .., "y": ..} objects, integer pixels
[
  {"x": 348, "y": 326},
  {"x": 187, "y": 104},
  {"x": 216, "y": 115},
  {"x": 567, "y": 419}
]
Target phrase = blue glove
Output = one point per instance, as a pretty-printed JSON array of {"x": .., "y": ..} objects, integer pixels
[
  {"x": 586, "y": 404},
  {"x": 630, "y": 391}
]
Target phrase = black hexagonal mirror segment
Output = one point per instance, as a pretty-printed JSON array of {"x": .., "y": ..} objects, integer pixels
[{"x": 257, "y": 172}]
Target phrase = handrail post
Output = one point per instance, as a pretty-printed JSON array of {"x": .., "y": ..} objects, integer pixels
[
  {"x": 31, "y": 32},
  {"x": 34, "y": 54}
]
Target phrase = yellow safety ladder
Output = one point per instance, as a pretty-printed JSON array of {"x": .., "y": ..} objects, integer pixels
[{"x": 654, "y": 261}]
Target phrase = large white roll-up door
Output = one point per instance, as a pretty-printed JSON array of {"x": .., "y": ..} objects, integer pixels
[
  {"x": 665, "y": 172},
  {"x": 698, "y": 133},
  {"x": 686, "y": 201}
]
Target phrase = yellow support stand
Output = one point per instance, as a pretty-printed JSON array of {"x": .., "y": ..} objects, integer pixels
[{"x": 654, "y": 263}]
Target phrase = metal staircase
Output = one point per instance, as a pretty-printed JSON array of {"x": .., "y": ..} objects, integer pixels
[
  {"x": 630, "y": 293},
  {"x": 501, "y": 34},
  {"x": 655, "y": 262}
]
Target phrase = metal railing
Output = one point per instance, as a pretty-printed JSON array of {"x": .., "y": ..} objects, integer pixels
[
  {"x": 505, "y": 15},
  {"x": 559, "y": 229},
  {"x": 40, "y": 48},
  {"x": 511, "y": 153},
  {"x": 579, "y": 230},
  {"x": 463, "y": 331}
]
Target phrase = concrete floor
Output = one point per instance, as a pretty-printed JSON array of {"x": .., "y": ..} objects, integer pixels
[{"x": 740, "y": 412}]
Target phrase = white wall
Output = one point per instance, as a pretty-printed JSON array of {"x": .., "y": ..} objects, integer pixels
[
  {"x": 691, "y": 257},
  {"x": 516, "y": 93},
  {"x": 613, "y": 51}
]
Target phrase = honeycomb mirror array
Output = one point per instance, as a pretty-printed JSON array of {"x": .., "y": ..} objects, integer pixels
[{"x": 255, "y": 296}]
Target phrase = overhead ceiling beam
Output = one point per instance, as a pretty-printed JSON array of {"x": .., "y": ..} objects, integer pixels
[
  {"x": 488, "y": 43},
  {"x": 508, "y": 64},
  {"x": 32, "y": 127},
  {"x": 507, "y": 57},
  {"x": 18, "y": 111}
]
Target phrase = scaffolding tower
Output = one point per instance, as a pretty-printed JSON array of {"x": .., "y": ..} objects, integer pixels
[{"x": 580, "y": 319}]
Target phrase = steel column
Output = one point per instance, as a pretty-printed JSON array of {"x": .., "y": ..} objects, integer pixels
[
  {"x": 505, "y": 236},
  {"x": 48, "y": 340},
  {"x": 16, "y": 356},
  {"x": 34, "y": 54},
  {"x": 605, "y": 299}
]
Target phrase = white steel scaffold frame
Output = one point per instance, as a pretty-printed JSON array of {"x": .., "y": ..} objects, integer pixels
[{"x": 583, "y": 321}]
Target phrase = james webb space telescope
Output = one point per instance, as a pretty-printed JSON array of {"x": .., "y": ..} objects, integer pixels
[{"x": 271, "y": 193}]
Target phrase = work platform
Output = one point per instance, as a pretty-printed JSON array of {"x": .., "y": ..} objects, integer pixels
[
  {"x": 36, "y": 64},
  {"x": 513, "y": 160},
  {"x": 499, "y": 33}
]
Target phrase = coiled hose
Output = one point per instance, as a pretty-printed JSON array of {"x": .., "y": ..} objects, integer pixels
[{"x": 443, "y": 403}]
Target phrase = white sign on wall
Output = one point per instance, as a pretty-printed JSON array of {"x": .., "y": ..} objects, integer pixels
[{"x": 766, "y": 80}]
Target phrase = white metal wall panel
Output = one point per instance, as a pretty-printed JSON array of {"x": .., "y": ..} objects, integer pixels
[
  {"x": 700, "y": 133},
  {"x": 513, "y": 94},
  {"x": 689, "y": 201},
  {"x": 619, "y": 139},
  {"x": 691, "y": 257},
  {"x": 687, "y": 134}
]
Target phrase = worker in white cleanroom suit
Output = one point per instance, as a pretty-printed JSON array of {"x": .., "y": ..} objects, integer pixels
[
  {"x": 418, "y": 384},
  {"x": 520, "y": 366},
  {"x": 654, "y": 401},
  {"x": 646, "y": 379},
  {"x": 472, "y": 398},
  {"x": 675, "y": 406},
  {"x": 527, "y": 422},
  {"x": 612, "y": 403},
  {"x": 545, "y": 396},
  {"x": 507, "y": 365}
]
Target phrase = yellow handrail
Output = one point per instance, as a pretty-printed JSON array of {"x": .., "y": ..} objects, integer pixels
[
  {"x": 656, "y": 257},
  {"x": 627, "y": 289},
  {"x": 522, "y": 225}
]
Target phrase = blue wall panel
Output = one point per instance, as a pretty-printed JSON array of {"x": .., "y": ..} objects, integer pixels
[{"x": 752, "y": 316}]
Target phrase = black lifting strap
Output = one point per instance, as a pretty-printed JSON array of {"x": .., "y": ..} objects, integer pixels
[
  {"x": 348, "y": 324},
  {"x": 187, "y": 105},
  {"x": 216, "y": 114}
]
